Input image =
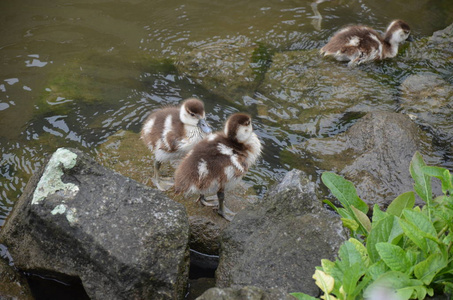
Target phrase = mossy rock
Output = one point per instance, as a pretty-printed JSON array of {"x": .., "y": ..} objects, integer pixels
[
  {"x": 92, "y": 77},
  {"x": 433, "y": 54},
  {"x": 230, "y": 69},
  {"x": 426, "y": 97},
  {"x": 303, "y": 88}
]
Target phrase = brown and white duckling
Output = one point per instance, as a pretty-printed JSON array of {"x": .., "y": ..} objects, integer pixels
[
  {"x": 172, "y": 131},
  {"x": 219, "y": 162},
  {"x": 359, "y": 44}
]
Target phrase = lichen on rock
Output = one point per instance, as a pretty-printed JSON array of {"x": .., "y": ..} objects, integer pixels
[{"x": 51, "y": 182}]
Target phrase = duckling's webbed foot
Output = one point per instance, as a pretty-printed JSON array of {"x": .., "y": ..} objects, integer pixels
[
  {"x": 223, "y": 210},
  {"x": 207, "y": 202}
]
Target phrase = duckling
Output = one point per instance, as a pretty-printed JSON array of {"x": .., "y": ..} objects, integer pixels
[
  {"x": 359, "y": 44},
  {"x": 219, "y": 162},
  {"x": 172, "y": 131}
]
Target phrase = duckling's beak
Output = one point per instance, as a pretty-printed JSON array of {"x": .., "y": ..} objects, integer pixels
[
  {"x": 410, "y": 38},
  {"x": 203, "y": 125}
]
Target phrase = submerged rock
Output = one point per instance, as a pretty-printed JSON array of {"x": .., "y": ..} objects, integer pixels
[
  {"x": 374, "y": 154},
  {"x": 427, "y": 98},
  {"x": 245, "y": 293},
  {"x": 79, "y": 219},
  {"x": 13, "y": 286},
  {"x": 434, "y": 53},
  {"x": 312, "y": 94},
  {"x": 278, "y": 242},
  {"x": 231, "y": 69}
]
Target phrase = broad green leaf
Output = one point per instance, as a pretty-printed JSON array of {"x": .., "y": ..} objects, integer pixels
[
  {"x": 414, "y": 234},
  {"x": 378, "y": 214},
  {"x": 362, "y": 218},
  {"x": 406, "y": 200},
  {"x": 443, "y": 174},
  {"x": 349, "y": 255},
  {"x": 422, "y": 185},
  {"x": 420, "y": 220},
  {"x": 377, "y": 269},
  {"x": 411, "y": 257},
  {"x": 425, "y": 227},
  {"x": 344, "y": 190},
  {"x": 327, "y": 265},
  {"x": 351, "y": 278},
  {"x": 324, "y": 281},
  {"x": 302, "y": 296},
  {"x": 351, "y": 224},
  {"x": 386, "y": 230},
  {"x": 345, "y": 213},
  {"x": 394, "y": 257},
  {"x": 362, "y": 250},
  {"x": 427, "y": 269},
  {"x": 405, "y": 293},
  {"x": 421, "y": 292},
  {"x": 392, "y": 281}
]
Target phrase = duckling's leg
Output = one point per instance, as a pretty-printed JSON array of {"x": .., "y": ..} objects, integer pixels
[
  {"x": 157, "y": 165},
  {"x": 207, "y": 202},
  {"x": 223, "y": 210},
  {"x": 161, "y": 185}
]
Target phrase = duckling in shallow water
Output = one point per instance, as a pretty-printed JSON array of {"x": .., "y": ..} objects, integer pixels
[
  {"x": 172, "y": 131},
  {"x": 359, "y": 44},
  {"x": 219, "y": 162}
]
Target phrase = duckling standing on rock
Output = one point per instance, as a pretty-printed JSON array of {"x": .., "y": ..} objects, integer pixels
[
  {"x": 219, "y": 162},
  {"x": 173, "y": 131},
  {"x": 359, "y": 44}
]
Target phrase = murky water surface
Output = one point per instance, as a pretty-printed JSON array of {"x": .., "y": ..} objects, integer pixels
[{"x": 73, "y": 73}]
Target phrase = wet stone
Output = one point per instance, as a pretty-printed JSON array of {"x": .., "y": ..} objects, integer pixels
[
  {"x": 308, "y": 92},
  {"x": 245, "y": 293},
  {"x": 122, "y": 239},
  {"x": 230, "y": 69},
  {"x": 286, "y": 233},
  {"x": 125, "y": 153},
  {"x": 427, "y": 98},
  {"x": 374, "y": 154}
]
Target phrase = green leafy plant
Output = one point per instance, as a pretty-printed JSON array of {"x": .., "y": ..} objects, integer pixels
[{"x": 402, "y": 253}]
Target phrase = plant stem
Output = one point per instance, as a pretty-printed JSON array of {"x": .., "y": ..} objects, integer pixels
[{"x": 442, "y": 231}]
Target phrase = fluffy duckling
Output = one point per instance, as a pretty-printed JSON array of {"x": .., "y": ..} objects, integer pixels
[
  {"x": 219, "y": 162},
  {"x": 359, "y": 44},
  {"x": 172, "y": 131}
]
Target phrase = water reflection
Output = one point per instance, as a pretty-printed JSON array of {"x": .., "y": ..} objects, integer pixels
[{"x": 74, "y": 74}]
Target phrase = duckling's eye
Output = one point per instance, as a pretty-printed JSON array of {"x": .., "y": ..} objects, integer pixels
[{"x": 192, "y": 114}]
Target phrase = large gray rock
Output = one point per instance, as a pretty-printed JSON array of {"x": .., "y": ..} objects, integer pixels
[
  {"x": 245, "y": 293},
  {"x": 126, "y": 154},
  {"x": 374, "y": 154},
  {"x": 278, "y": 242},
  {"x": 122, "y": 239}
]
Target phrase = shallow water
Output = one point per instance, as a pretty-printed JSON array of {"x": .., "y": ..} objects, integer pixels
[{"x": 74, "y": 73}]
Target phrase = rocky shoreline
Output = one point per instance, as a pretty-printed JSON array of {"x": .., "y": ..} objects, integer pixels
[{"x": 124, "y": 240}]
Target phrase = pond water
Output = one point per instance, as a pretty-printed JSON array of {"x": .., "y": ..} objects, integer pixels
[{"x": 74, "y": 73}]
